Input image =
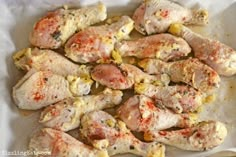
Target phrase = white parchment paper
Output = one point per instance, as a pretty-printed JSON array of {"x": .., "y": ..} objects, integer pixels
[{"x": 16, "y": 21}]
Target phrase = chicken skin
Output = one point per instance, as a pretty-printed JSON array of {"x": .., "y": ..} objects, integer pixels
[
  {"x": 161, "y": 46},
  {"x": 57, "y": 26},
  {"x": 59, "y": 144},
  {"x": 178, "y": 98},
  {"x": 103, "y": 131},
  {"x": 48, "y": 60},
  {"x": 155, "y": 16},
  {"x": 190, "y": 71},
  {"x": 38, "y": 89},
  {"x": 111, "y": 76},
  {"x": 124, "y": 76},
  {"x": 143, "y": 115},
  {"x": 65, "y": 115},
  {"x": 217, "y": 55},
  {"x": 204, "y": 136},
  {"x": 96, "y": 43}
]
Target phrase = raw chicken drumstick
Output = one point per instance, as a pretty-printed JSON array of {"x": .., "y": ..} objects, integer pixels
[
  {"x": 56, "y": 143},
  {"x": 124, "y": 76},
  {"x": 39, "y": 89},
  {"x": 155, "y": 16},
  {"x": 48, "y": 60},
  {"x": 95, "y": 43},
  {"x": 103, "y": 131},
  {"x": 190, "y": 71},
  {"x": 204, "y": 136},
  {"x": 65, "y": 115},
  {"x": 57, "y": 26},
  {"x": 178, "y": 98},
  {"x": 161, "y": 46},
  {"x": 217, "y": 55},
  {"x": 140, "y": 114}
]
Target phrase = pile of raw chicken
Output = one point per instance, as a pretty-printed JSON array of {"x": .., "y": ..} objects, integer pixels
[{"x": 170, "y": 72}]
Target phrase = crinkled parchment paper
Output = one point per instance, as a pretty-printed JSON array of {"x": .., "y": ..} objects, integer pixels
[{"x": 16, "y": 20}]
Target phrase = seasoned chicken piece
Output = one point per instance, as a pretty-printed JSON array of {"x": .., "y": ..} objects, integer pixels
[
  {"x": 39, "y": 89},
  {"x": 139, "y": 76},
  {"x": 155, "y": 16},
  {"x": 59, "y": 144},
  {"x": 65, "y": 115},
  {"x": 204, "y": 136},
  {"x": 190, "y": 71},
  {"x": 95, "y": 43},
  {"x": 43, "y": 60},
  {"x": 111, "y": 76},
  {"x": 162, "y": 46},
  {"x": 57, "y": 26},
  {"x": 217, "y": 55},
  {"x": 178, "y": 98},
  {"x": 140, "y": 114},
  {"x": 103, "y": 131},
  {"x": 124, "y": 76}
]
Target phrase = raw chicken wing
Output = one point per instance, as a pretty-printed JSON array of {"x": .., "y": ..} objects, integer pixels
[
  {"x": 57, "y": 26},
  {"x": 96, "y": 43},
  {"x": 140, "y": 114},
  {"x": 155, "y": 16},
  {"x": 39, "y": 89},
  {"x": 48, "y": 60},
  {"x": 179, "y": 98},
  {"x": 65, "y": 115},
  {"x": 190, "y": 71},
  {"x": 217, "y": 55},
  {"x": 124, "y": 76},
  {"x": 161, "y": 46},
  {"x": 56, "y": 143},
  {"x": 103, "y": 131},
  {"x": 204, "y": 136}
]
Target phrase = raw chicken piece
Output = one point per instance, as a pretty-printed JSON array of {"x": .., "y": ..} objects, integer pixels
[
  {"x": 190, "y": 71},
  {"x": 204, "y": 136},
  {"x": 217, "y": 55},
  {"x": 162, "y": 46},
  {"x": 139, "y": 76},
  {"x": 155, "y": 16},
  {"x": 140, "y": 114},
  {"x": 179, "y": 98},
  {"x": 124, "y": 76},
  {"x": 111, "y": 76},
  {"x": 57, "y": 26},
  {"x": 95, "y": 43},
  {"x": 65, "y": 115},
  {"x": 39, "y": 89},
  {"x": 43, "y": 60},
  {"x": 56, "y": 143},
  {"x": 103, "y": 131}
]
